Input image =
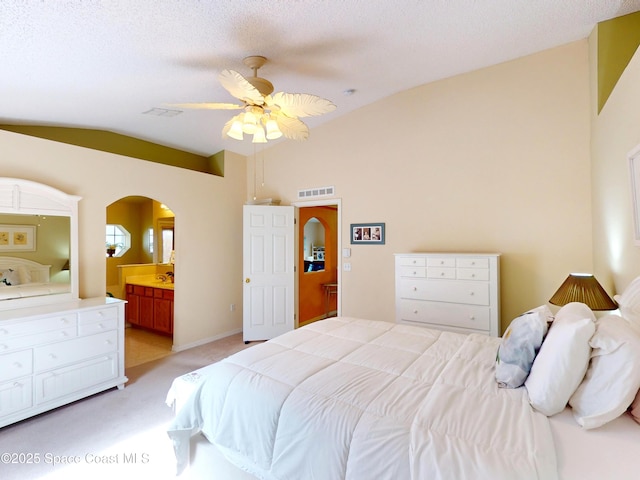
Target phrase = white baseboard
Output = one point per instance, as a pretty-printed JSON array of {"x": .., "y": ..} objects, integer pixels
[{"x": 180, "y": 348}]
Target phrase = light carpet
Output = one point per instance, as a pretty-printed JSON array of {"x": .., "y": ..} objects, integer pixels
[{"x": 114, "y": 434}]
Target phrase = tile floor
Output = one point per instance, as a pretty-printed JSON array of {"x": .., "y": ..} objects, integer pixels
[{"x": 141, "y": 346}]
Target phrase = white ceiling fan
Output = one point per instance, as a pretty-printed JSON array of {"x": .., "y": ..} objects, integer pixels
[{"x": 265, "y": 116}]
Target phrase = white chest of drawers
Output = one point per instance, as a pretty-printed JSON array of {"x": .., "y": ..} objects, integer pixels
[
  {"x": 54, "y": 355},
  {"x": 449, "y": 291}
]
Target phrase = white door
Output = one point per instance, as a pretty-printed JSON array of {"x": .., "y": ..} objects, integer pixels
[{"x": 269, "y": 253}]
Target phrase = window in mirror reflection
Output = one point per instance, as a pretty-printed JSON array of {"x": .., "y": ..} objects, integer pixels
[
  {"x": 150, "y": 237},
  {"x": 314, "y": 242},
  {"x": 118, "y": 240},
  {"x": 167, "y": 244}
]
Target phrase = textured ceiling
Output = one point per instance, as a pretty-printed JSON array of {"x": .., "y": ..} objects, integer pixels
[{"x": 100, "y": 64}]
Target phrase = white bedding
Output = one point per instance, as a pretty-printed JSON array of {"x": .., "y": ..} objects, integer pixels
[
  {"x": 356, "y": 399},
  {"x": 32, "y": 290}
]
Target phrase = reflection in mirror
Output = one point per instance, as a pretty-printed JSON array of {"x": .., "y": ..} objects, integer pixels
[
  {"x": 38, "y": 238},
  {"x": 50, "y": 245},
  {"x": 314, "y": 242},
  {"x": 166, "y": 239}
]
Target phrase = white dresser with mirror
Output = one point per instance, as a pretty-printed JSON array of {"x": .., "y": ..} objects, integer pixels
[{"x": 55, "y": 348}]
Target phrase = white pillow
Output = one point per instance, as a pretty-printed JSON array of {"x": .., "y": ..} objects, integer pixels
[
  {"x": 635, "y": 408},
  {"x": 519, "y": 346},
  {"x": 613, "y": 377},
  {"x": 563, "y": 359},
  {"x": 24, "y": 274},
  {"x": 629, "y": 301}
]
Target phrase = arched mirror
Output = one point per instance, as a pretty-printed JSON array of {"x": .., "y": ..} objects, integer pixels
[
  {"x": 314, "y": 245},
  {"x": 38, "y": 244}
]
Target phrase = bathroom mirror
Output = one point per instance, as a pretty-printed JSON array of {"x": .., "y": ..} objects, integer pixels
[
  {"x": 38, "y": 244},
  {"x": 314, "y": 245}
]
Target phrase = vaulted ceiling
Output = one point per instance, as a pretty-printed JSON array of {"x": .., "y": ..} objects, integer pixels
[{"x": 116, "y": 66}]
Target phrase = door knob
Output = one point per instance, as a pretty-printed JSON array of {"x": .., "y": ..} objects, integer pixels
[{"x": 247, "y": 280}]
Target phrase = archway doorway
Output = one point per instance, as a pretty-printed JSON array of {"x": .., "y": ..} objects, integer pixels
[{"x": 140, "y": 236}]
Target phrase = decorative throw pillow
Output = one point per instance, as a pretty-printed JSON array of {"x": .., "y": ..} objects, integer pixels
[
  {"x": 9, "y": 277},
  {"x": 613, "y": 377},
  {"x": 519, "y": 347},
  {"x": 562, "y": 360}
]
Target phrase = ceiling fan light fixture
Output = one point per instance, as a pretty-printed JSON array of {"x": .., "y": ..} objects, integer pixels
[
  {"x": 235, "y": 131},
  {"x": 273, "y": 131},
  {"x": 250, "y": 123},
  {"x": 258, "y": 136}
]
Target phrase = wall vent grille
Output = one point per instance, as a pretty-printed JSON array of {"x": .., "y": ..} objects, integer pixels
[{"x": 316, "y": 192}]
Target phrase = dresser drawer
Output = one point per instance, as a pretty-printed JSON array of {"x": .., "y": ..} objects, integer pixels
[
  {"x": 445, "y": 315},
  {"x": 441, "y": 262},
  {"x": 446, "y": 273},
  {"x": 97, "y": 327},
  {"x": 50, "y": 386},
  {"x": 473, "y": 293},
  {"x": 471, "y": 262},
  {"x": 420, "y": 272},
  {"x": 16, "y": 364},
  {"x": 62, "y": 353},
  {"x": 16, "y": 395},
  {"x": 91, "y": 316},
  {"x": 37, "y": 339},
  {"x": 412, "y": 262},
  {"x": 477, "y": 274},
  {"x": 39, "y": 325}
]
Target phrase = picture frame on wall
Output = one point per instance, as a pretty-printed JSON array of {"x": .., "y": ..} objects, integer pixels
[
  {"x": 367, "y": 234},
  {"x": 17, "y": 238}
]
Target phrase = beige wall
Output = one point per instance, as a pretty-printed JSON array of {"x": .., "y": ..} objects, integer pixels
[
  {"x": 208, "y": 210},
  {"x": 496, "y": 160},
  {"x": 616, "y": 131}
]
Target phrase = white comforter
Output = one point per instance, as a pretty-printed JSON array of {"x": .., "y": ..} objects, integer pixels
[{"x": 357, "y": 399}]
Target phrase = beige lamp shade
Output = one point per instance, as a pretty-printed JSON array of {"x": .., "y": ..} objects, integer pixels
[{"x": 584, "y": 288}]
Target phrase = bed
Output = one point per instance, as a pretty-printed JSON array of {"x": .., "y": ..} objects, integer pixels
[
  {"x": 22, "y": 278},
  {"x": 348, "y": 398}
]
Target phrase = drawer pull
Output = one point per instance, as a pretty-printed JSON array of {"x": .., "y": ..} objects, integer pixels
[
  {"x": 107, "y": 342},
  {"x": 64, "y": 321},
  {"x": 4, "y": 347},
  {"x": 415, "y": 311},
  {"x": 472, "y": 317},
  {"x": 3, "y": 331},
  {"x": 64, "y": 334},
  {"x": 17, "y": 384},
  {"x": 414, "y": 262},
  {"x": 101, "y": 326},
  {"x": 101, "y": 313},
  {"x": 415, "y": 289},
  {"x": 415, "y": 273},
  {"x": 52, "y": 356},
  {"x": 472, "y": 293},
  {"x": 473, "y": 275},
  {"x": 17, "y": 365},
  {"x": 442, "y": 274}
]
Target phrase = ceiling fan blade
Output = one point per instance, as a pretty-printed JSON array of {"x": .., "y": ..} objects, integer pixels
[
  {"x": 301, "y": 104},
  {"x": 208, "y": 106},
  {"x": 240, "y": 88},
  {"x": 291, "y": 127}
]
